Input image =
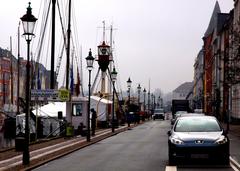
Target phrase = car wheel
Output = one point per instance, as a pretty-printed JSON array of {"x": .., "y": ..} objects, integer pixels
[
  {"x": 225, "y": 160},
  {"x": 171, "y": 159}
]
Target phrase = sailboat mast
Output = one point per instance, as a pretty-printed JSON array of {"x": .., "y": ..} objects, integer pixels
[
  {"x": 111, "y": 56},
  {"x": 11, "y": 70},
  {"x": 103, "y": 30},
  {"x": 68, "y": 45},
  {"x": 53, "y": 44},
  {"x": 18, "y": 68},
  {"x": 81, "y": 73}
]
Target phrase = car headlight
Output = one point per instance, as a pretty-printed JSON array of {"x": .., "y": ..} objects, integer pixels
[
  {"x": 176, "y": 141},
  {"x": 221, "y": 140}
]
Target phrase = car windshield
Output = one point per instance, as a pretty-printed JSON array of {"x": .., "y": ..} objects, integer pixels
[
  {"x": 197, "y": 124},
  {"x": 158, "y": 111}
]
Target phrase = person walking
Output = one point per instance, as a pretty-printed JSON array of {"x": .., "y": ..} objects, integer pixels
[
  {"x": 93, "y": 123},
  {"x": 128, "y": 118}
]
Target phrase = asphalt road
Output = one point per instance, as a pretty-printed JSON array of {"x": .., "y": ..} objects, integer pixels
[{"x": 142, "y": 148}]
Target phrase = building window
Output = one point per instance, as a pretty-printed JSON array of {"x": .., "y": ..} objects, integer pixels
[{"x": 77, "y": 109}]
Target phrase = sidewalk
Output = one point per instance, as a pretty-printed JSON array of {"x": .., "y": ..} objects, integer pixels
[
  {"x": 234, "y": 136},
  {"x": 54, "y": 151}
]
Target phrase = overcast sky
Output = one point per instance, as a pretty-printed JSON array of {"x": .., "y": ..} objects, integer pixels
[{"x": 155, "y": 40}]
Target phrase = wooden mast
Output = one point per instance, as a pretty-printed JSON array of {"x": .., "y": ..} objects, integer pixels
[
  {"x": 68, "y": 45},
  {"x": 52, "y": 85},
  {"x": 18, "y": 68},
  {"x": 11, "y": 70}
]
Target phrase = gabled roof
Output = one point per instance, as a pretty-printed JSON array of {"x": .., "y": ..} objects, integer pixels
[
  {"x": 213, "y": 20},
  {"x": 187, "y": 86},
  {"x": 221, "y": 20}
]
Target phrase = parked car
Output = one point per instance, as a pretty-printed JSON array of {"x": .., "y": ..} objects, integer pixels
[
  {"x": 191, "y": 114},
  {"x": 198, "y": 110},
  {"x": 177, "y": 114},
  {"x": 198, "y": 137},
  {"x": 158, "y": 114}
]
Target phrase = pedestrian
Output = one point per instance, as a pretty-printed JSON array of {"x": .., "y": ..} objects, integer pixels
[
  {"x": 93, "y": 123},
  {"x": 128, "y": 117}
]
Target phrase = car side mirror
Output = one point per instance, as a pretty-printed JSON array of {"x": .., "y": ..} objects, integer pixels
[{"x": 169, "y": 133}]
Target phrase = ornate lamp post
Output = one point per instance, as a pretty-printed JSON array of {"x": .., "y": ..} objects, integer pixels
[
  {"x": 28, "y": 22},
  {"x": 144, "y": 96},
  {"x": 149, "y": 102},
  {"x": 152, "y": 101},
  {"x": 114, "y": 78},
  {"x": 139, "y": 91},
  {"x": 159, "y": 102},
  {"x": 90, "y": 60},
  {"x": 129, "y": 84}
]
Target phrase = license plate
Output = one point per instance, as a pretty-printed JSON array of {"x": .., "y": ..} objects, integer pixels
[{"x": 199, "y": 156}]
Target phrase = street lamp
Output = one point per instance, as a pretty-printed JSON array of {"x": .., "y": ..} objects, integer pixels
[
  {"x": 28, "y": 22},
  {"x": 90, "y": 60},
  {"x": 144, "y": 96},
  {"x": 114, "y": 78},
  {"x": 129, "y": 84},
  {"x": 152, "y": 101},
  {"x": 159, "y": 102},
  {"x": 139, "y": 90},
  {"x": 149, "y": 102}
]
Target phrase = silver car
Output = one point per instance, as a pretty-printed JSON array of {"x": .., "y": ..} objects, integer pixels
[{"x": 198, "y": 137}]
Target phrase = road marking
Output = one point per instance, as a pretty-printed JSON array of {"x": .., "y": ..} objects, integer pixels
[
  {"x": 171, "y": 168},
  {"x": 233, "y": 167},
  {"x": 234, "y": 164}
]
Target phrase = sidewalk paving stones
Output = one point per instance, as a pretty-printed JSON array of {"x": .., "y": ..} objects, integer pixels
[
  {"x": 234, "y": 137},
  {"x": 45, "y": 154}
]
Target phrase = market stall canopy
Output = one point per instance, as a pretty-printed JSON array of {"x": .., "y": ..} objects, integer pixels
[{"x": 51, "y": 109}]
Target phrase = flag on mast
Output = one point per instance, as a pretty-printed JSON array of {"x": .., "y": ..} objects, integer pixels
[
  {"x": 39, "y": 80},
  {"x": 78, "y": 83},
  {"x": 72, "y": 80}
]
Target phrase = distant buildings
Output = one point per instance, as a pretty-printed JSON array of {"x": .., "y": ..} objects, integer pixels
[
  {"x": 8, "y": 80},
  {"x": 198, "y": 81},
  {"x": 183, "y": 91},
  {"x": 9, "y": 76}
]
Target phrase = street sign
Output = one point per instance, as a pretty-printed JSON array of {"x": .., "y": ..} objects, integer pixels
[
  {"x": 49, "y": 95},
  {"x": 63, "y": 94}
]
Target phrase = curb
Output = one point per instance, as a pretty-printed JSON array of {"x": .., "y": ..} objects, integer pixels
[
  {"x": 234, "y": 163},
  {"x": 39, "y": 160}
]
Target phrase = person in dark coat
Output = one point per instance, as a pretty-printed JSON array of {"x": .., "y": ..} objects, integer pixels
[
  {"x": 93, "y": 123},
  {"x": 128, "y": 118}
]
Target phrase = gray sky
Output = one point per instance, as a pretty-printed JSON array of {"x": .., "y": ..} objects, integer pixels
[{"x": 154, "y": 39}]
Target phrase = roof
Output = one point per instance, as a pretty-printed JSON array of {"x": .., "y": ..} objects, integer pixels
[
  {"x": 221, "y": 20},
  {"x": 187, "y": 86},
  {"x": 96, "y": 98},
  {"x": 51, "y": 109},
  {"x": 213, "y": 20}
]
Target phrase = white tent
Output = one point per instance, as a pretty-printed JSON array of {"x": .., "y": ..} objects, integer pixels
[
  {"x": 51, "y": 109},
  {"x": 102, "y": 107},
  {"x": 48, "y": 114}
]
